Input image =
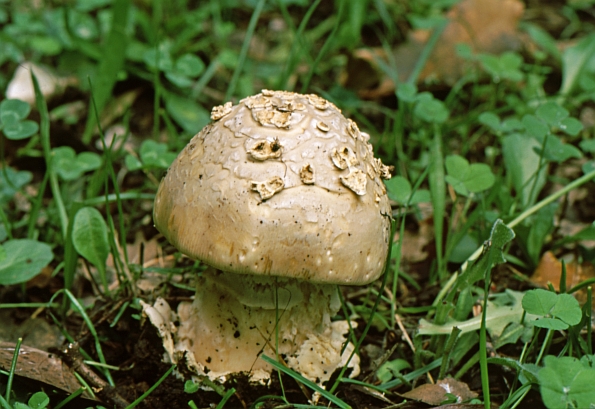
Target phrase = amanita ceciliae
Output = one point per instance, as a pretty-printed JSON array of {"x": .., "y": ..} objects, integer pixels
[{"x": 282, "y": 196}]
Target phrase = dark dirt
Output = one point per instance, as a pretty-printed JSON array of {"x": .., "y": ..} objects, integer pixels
[{"x": 137, "y": 350}]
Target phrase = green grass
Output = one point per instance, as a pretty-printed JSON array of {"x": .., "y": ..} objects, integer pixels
[{"x": 497, "y": 156}]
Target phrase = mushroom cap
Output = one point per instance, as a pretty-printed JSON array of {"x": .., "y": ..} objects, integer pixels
[{"x": 281, "y": 184}]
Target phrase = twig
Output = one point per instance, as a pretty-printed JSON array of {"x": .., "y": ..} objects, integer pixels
[
  {"x": 404, "y": 331},
  {"x": 103, "y": 390}
]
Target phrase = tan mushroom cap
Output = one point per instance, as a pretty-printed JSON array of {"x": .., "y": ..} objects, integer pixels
[{"x": 281, "y": 184}]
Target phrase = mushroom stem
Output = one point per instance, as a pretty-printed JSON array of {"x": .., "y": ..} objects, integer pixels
[
  {"x": 234, "y": 318},
  {"x": 284, "y": 189}
]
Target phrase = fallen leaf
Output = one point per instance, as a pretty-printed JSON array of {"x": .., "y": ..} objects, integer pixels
[
  {"x": 35, "y": 332},
  {"x": 486, "y": 26},
  {"x": 503, "y": 309},
  {"x": 41, "y": 366},
  {"x": 435, "y": 394},
  {"x": 149, "y": 280},
  {"x": 549, "y": 270},
  {"x": 117, "y": 106},
  {"x": 416, "y": 243}
]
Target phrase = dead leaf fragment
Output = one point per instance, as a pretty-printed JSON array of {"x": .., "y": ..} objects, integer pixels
[
  {"x": 41, "y": 366},
  {"x": 435, "y": 394},
  {"x": 416, "y": 243},
  {"x": 35, "y": 332},
  {"x": 549, "y": 270},
  {"x": 486, "y": 26},
  {"x": 117, "y": 107}
]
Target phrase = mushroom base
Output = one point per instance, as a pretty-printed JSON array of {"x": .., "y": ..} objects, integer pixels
[{"x": 235, "y": 318}]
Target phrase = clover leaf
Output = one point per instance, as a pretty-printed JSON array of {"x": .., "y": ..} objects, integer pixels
[
  {"x": 152, "y": 155},
  {"x": 430, "y": 109},
  {"x": 71, "y": 166},
  {"x": 12, "y": 119},
  {"x": 11, "y": 181},
  {"x": 566, "y": 382},
  {"x": 554, "y": 150},
  {"x": 559, "y": 311},
  {"x": 504, "y": 66},
  {"x": 466, "y": 178},
  {"x": 399, "y": 189},
  {"x": 556, "y": 116}
]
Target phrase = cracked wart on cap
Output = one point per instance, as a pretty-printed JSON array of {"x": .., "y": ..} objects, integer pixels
[
  {"x": 344, "y": 157},
  {"x": 307, "y": 174},
  {"x": 268, "y": 188},
  {"x": 265, "y": 149},
  {"x": 280, "y": 184},
  {"x": 356, "y": 180}
]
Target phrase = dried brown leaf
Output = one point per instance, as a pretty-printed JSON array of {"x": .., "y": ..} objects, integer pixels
[
  {"x": 549, "y": 270},
  {"x": 434, "y": 394},
  {"x": 416, "y": 243},
  {"x": 41, "y": 366},
  {"x": 487, "y": 26},
  {"x": 117, "y": 106}
]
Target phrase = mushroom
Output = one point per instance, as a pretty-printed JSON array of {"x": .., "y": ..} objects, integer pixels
[{"x": 282, "y": 197}]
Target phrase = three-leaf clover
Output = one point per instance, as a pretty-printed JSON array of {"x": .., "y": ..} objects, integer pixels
[
  {"x": 181, "y": 71},
  {"x": 390, "y": 369},
  {"x": 399, "y": 189},
  {"x": 11, "y": 181},
  {"x": 152, "y": 155},
  {"x": 505, "y": 66},
  {"x": 430, "y": 109},
  {"x": 468, "y": 178},
  {"x": 71, "y": 166},
  {"x": 551, "y": 117},
  {"x": 559, "y": 311},
  {"x": 566, "y": 382},
  {"x": 12, "y": 119},
  {"x": 185, "y": 69},
  {"x": 492, "y": 121}
]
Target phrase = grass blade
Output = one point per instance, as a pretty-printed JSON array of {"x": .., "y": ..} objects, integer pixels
[
  {"x": 292, "y": 60},
  {"x": 72, "y": 396},
  {"x": 77, "y": 306},
  {"x": 326, "y": 394},
  {"x": 412, "y": 375},
  {"x": 228, "y": 395},
  {"x": 244, "y": 51},
  {"x": 151, "y": 389},
  {"x": 13, "y": 366},
  {"x": 325, "y": 47},
  {"x": 44, "y": 130},
  {"x": 438, "y": 193},
  {"x": 483, "y": 354},
  {"x": 110, "y": 63},
  {"x": 426, "y": 52}
]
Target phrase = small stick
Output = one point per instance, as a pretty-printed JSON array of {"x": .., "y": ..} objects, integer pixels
[
  {"x": 107, "y": 393},
  {"x": 404, "y": 331}
]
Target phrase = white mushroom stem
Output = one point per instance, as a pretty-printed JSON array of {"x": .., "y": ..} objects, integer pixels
[
  {"x": 282, "y": 188},
  {"x": 234, "y": 318}
]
